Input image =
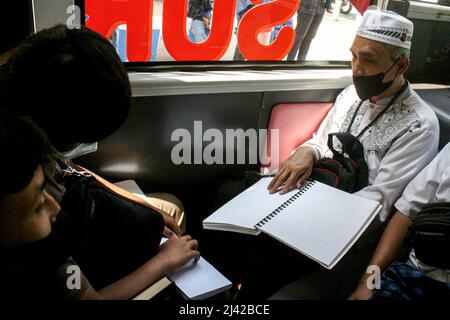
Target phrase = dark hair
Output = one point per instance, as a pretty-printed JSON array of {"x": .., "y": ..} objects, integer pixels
[
  {"x": 24, "y": 147},
  {"x": 71, "y": 82}
]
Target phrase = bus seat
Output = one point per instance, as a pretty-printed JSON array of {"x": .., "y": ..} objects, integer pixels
[
  {"x": 439, "y": 100},
  {"x": 296, "y": 123}
]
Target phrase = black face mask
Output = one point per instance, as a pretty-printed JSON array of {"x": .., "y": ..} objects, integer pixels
[{"x": 370, "y": 86}]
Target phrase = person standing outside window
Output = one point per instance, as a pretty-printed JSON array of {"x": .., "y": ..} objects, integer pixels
[
  {"x": 242, "y": 6},
  {"x": 200, "y": 13},
  {"x": 309, "y": 16}
]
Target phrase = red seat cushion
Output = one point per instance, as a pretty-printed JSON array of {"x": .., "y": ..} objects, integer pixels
[{"x": 296, "y": 123}]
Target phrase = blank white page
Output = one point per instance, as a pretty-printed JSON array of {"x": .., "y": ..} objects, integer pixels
[
  {"x": 199, "y": 280},
  {"x": 323, "y": 222},
  {"x": 250, "y": 206}
]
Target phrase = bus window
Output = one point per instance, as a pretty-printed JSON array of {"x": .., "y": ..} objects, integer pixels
[{"x": 224, "y": 30}]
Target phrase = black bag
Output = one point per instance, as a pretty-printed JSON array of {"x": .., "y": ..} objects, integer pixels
[
  {"x": 348, "y": 170},
  {"x": 114, "y": 235},
  {"x": 345, "y": 173},
  {"x": 429, "y": 235}
]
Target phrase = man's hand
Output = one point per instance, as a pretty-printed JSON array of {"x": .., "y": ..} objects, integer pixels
[
  {"x": 293, "y": 172},
  {"x": 171, "y": 227}
]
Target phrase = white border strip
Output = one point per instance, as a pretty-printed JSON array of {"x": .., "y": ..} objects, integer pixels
[
  {"x": 207, "y": 82},
  {"x": 34, "y": 16}
]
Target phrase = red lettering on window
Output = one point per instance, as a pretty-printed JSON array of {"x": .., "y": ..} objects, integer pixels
[
  {"x": 107, "y": 15},
  {"x": 175, "y": 34},
  {"x": 261, "y": 18}
]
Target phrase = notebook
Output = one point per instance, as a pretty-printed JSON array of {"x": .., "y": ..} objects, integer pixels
[
  {"x": 319, "y": 221},
  {"x": 198, "y": 280},
  {"x": 194, "y": 280}
]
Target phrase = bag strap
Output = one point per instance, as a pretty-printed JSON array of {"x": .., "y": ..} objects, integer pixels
[
  {"x": 423, "y": 216},
  {"x": 353, "y": 147},
  {"x": 405, "y": 85},
  {"x": 350, "y": 145},
  {"x": 121, "y": 192},
  {"x": 354, "y": 116},
  {"x": 441, "y": 209},
  {"x": 74, "y": 168},
  {"x": 435, "y": 205}
]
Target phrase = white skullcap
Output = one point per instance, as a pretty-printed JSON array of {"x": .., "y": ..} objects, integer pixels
[{"x": 387, "y": 27}]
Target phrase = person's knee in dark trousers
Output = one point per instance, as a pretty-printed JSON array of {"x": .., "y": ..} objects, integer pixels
[
  {"x": 271, "y": 265},
  {"x": 259, "y": 264},
  {"x": 339, "y": 282}
]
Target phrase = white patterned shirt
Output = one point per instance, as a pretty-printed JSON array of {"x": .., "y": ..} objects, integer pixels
[{"x": 396, "y": 148}]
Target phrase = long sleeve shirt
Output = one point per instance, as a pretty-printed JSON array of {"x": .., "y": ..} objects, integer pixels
[{"x": 400, "y": 144}]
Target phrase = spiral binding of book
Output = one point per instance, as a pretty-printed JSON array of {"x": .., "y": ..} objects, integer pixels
[{"x": 288, "y": 202}]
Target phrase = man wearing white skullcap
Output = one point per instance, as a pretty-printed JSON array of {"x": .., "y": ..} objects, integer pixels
[
  {"x": 388, "y": 27},
  {"x": 399, "y": 133}
]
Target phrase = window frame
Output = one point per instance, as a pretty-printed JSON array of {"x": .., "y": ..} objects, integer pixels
[{"x": 165, "y": 66}]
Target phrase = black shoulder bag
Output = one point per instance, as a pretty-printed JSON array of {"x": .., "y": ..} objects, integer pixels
[
  {"x": 347, "y": 170},
  {"x": 429, "y": 235},
  {"x": 114, "y": 235},
  {"x": 345, "y": 173}
]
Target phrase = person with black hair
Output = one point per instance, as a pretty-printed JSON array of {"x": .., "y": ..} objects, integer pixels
[
  {"x": 65, "y": 80},
  {"x": 31, "y": 263},
  {"x": 24, "y": 151},
  {"x": 78, "y": 92},
  {"x": 200, "y": 13},
  {"x": 27, "y": 210}
]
